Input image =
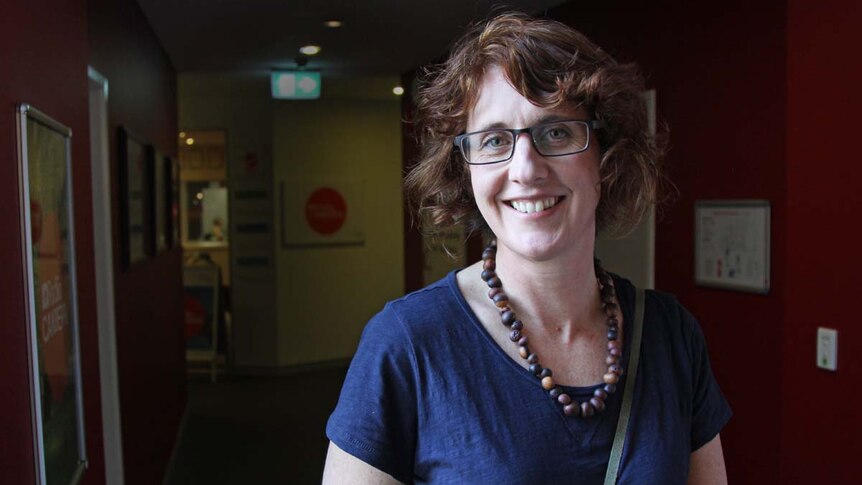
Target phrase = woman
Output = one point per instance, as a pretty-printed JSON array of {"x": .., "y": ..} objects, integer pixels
[{"x": 550, "y": 145}]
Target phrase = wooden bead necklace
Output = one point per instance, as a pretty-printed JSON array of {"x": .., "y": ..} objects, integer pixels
[{"x": 607, "y": 294}]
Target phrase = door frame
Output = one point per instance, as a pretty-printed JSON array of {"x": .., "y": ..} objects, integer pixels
[{"x": 104, "y": 261}]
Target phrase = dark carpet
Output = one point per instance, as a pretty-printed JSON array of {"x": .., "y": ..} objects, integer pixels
[{"x": 256, "y": 430}]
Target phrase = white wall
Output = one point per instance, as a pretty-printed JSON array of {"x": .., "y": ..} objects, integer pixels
[{"x": 326, "y": 294}]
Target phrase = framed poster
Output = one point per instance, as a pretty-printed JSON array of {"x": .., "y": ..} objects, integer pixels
[
  {"x": 44, "y": 152},
  {"x": 162, "y": 200},
  {"x": 175, "y": 202},
  {"x": 732, "y": 244},
  {"x": 135, "y": 198}
]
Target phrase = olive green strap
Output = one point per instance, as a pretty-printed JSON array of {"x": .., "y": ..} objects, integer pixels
[{"x": 625, "y": 410}]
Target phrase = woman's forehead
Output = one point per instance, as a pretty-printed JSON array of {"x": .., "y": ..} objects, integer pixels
[{"x": 498, "y": 104}]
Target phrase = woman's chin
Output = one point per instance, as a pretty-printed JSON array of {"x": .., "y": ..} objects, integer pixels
[{"x": 533, "y": 248}]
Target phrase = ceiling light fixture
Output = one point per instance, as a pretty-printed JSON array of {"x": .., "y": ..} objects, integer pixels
[
  {"x": 190, "y": 141},
  {"x": 333, "y": 24},
  {"x": 397, "y": 90},
  {"x": 310, "y": 50}
]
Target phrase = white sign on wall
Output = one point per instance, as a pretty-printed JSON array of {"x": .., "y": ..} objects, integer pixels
[
  {"x": 732, "y": 244},
  {"x": 321, "y": 212}
]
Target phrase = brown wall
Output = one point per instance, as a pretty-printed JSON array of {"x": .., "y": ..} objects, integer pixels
[
  {"x": 762, "y": 101},
  {"x": 150, "y": 350},
  {"x": 43, "y": 62},
  {"x": 726, "y": 105},
  {"x": 820, "y": 419},
  {"x": 719, "y": 70}
]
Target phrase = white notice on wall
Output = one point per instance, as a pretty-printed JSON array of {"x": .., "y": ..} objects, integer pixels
[{"x": 732, "y": 244}]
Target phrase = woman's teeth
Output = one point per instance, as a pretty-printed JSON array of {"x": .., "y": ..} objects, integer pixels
[{"x": 529, "y": 206}]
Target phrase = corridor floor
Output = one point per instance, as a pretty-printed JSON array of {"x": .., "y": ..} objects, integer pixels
[{"x": 256, "y": 430}]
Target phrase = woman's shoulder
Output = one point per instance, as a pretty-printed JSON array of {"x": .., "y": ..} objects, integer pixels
[
  {"x": 664, "y": 313},
  {"x": 421, "y": 304},
  {"x": 423, "y": 310}
]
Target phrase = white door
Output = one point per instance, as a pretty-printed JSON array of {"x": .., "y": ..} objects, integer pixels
[{"x": 103, "y": 246}]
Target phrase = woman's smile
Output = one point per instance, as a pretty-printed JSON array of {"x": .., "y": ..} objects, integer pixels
[{"x": 532, "y": 205}]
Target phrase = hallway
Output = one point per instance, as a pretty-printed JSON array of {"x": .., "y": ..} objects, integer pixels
[
  {"x": 762, "y": 104},
  {"x": 256, "y": 429}
]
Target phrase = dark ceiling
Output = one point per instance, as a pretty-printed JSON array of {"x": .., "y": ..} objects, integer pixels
[{"x": 379, "y": 37}]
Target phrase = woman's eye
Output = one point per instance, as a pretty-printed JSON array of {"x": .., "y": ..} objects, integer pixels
[
  {"x": 556, "y": 133},
  {"x": 494, "y": 141}
]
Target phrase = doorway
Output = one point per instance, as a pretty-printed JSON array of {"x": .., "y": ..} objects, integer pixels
[
  {"x": 634, "y": 255},
  {"x": 205, "y": 218}
]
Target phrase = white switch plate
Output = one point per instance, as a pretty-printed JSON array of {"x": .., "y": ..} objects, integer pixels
[{"x": 827, "y": 348}]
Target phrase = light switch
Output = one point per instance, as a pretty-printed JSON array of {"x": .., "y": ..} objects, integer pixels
[{"x": 827, "y": 348}]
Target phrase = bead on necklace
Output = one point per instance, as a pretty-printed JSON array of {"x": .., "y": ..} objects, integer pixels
[{"x": 607, "y": 295}]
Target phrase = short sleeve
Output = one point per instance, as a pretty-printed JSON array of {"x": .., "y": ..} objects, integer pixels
[
  {"x": 375, "y": 418},
  {"x": 710, "y": 410}
]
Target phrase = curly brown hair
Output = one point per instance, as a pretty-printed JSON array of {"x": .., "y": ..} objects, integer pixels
[{"x": 550, "y": 64}]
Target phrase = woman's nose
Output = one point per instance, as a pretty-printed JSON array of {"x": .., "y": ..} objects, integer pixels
[{"x": 527, "y": 166}]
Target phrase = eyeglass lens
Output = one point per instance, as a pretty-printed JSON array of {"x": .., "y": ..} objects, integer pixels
[{"x": 549, "y": 139}]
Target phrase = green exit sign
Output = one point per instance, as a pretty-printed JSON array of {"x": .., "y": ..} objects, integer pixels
[{"x": 295, "y": 84}]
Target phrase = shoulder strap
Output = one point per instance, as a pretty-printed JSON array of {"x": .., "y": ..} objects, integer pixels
[{"x": 625, "y": 410}]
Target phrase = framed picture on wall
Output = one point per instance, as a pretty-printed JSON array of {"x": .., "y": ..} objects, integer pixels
[
  {"x": 174, "y": 202},
  {"x": 48, "y": 232},
  {"x": 732, "y": 244},
  {"x": 162, "y": 200},
  {"x": 135, "y": 198}
]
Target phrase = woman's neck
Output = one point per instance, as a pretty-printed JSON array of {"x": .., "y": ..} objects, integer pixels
[{"x": 559, "y": 295}]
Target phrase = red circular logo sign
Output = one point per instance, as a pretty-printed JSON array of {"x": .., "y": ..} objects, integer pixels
[{"x": 325, "y": 211}]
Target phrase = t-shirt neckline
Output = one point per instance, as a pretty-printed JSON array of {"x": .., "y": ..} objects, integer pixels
[{"x": 623, "y": 294}]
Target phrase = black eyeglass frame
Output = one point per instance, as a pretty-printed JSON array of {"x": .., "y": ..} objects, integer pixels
[{"x": 516, "y": 132}]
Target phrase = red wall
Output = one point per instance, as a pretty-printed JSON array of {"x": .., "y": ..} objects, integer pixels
[
  {"x": 43, "y": 61},
  {"x": 719, "y": 70},
  {"x": 726, "y": 109},
  {"x": 820, "y": 418},
  {"x": 45, "y": 47},
  {"x": 150, "y": 352}
]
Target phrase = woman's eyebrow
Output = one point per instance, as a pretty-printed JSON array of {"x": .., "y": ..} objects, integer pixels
[
  {"x": 545, "y": 118},
  {"x": 552, "y": 117},
  {"x": 492, "y": 126}
]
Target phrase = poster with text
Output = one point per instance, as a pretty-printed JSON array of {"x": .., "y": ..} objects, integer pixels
[{"x": 49, "y": 235}]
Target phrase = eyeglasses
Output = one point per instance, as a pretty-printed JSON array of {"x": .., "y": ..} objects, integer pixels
[{"x": 553, "y": 139}]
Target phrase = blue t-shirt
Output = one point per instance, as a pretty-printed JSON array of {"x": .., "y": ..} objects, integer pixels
[{"x": 431, "y": 398}]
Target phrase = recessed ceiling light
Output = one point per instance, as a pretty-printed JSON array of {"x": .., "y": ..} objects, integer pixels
[
  {"x": 182, "y": 134},
  {"x": 397, "y": 90},
  {"x": 310, "y": 49},
  {"x": 333, "y": 24},
  {"x": 190, "y": 141}
]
